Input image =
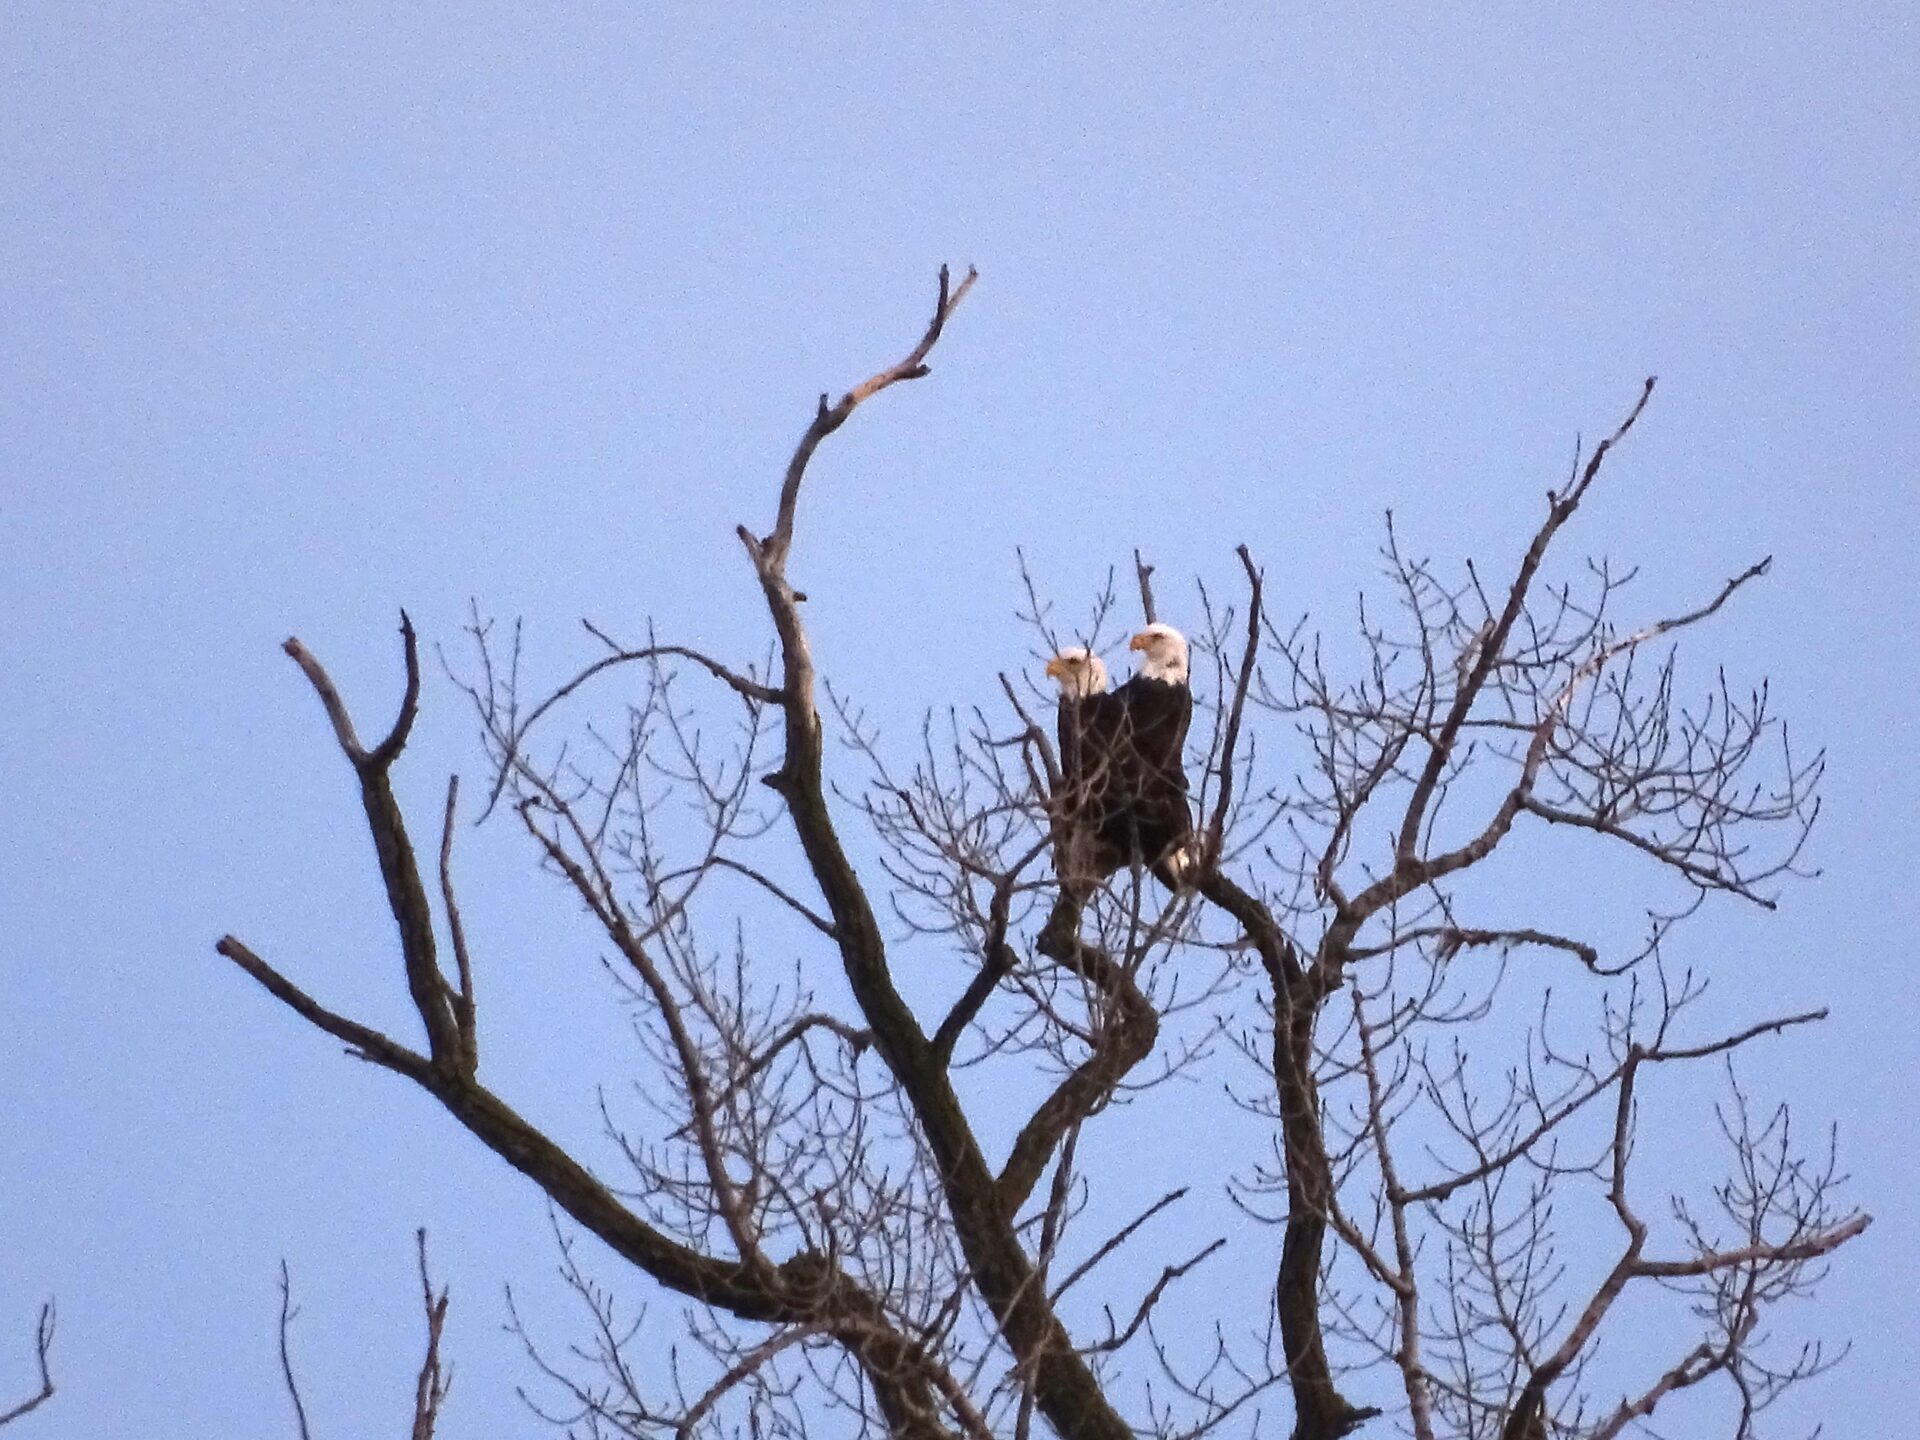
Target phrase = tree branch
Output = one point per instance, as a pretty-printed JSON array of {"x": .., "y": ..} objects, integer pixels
[
  {"x": 1230, "y": 739},
  {"x": 742, "y": 685},
  {"x": 1116, "y": 1240},
  {"x": 997, "y": 964},
  {"x": 430, "y": 1389},
  {"x": 831, "y": 417},
  {"x": 1125, "y": 1039},
  {"x": 857, "y": 1040},
  {"x": 1451, "y": 939},
  {"x": 759, "y": 1355},
  {"x": 1168, "y": 1275},
  {"x": 722, "y": 862},
  {"x": 1066, "y": 1389},
  {"x": 1808, "y": 1247},
  {"x": 1144, "y": 573},
  {"x": 571, "y": 1187},
  {"x": 363, "y": 1041},
  {"x": 463, "y": 1011},
  {"x": 1525, "y": 1420},
  {"x": 287, "y": 1313},
  {"x": 42, "y": 1349},
  {"x": 1321, "y": 1411},
  {"x": 1560, "y": 509},
  {"x": 399, "y": 870}
]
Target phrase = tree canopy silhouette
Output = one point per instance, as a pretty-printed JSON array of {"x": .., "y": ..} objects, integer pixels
[{"x": 1448, "y": 1074}]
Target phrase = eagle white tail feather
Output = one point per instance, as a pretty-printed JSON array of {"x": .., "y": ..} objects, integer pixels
[{"x": 1187, "y": 861}]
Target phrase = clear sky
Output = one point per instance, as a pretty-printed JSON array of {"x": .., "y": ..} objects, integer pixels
[{"x": 312, "y": 312}]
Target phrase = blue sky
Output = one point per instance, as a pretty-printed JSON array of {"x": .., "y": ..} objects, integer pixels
[{"x": 315, "y": 312}]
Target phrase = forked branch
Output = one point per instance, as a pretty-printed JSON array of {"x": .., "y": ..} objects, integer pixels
[
  {"x": 1065, "y": 1387},
  {"x": 42, "y": 1350},
  {"x": 830, "y": 418},
  {"x": 1560, "y": 509},
  {"x": 399, "y": 869},
  {"x": 430, "y": 1388},
  {"x": 872, "y": 1253}
]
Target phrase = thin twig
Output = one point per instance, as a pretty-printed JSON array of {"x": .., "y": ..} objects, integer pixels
[
  {"x": 42, "y": 1348},
  {"x": 1168, "y": 1275},
  {"x": 463, "y": 1012},
  {"x": 1116, "y": 1240},
  {"x": 287, "y": 1313},
  {"x": 430, "y": 1389},
  {"x": 829, "y": 418},
  {"x": 1230, "y": 738},
  {"x": 1144, "y": 573}
]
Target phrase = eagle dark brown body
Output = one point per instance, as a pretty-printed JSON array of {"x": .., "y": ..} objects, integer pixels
[{"x": 1123, "y": 784}]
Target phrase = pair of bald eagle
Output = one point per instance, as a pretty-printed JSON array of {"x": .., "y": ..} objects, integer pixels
[{"x": 1123, "y": 788}]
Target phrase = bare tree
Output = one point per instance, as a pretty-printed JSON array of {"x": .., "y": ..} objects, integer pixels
[
  {"x": 42, "y": 1350},
  {"x": 805, "y": 1167}
]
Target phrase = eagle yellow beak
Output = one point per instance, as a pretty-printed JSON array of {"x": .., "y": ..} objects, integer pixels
[
  {"x": 1141, "y": 641},
  {"x": 1056, "y": 667}
]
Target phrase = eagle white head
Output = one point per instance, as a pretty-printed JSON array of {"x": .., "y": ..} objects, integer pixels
[
  {"x": 1166, "y": 651},
  {"x": 1079, "y": 671}
]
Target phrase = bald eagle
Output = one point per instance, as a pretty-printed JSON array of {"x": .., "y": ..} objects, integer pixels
[
  {"x": 1089, "y": 795},
  {"x": 1123, "y": 788},
  {"x": 1156, "y": 707}
]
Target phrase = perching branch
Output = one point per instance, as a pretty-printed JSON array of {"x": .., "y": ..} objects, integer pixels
[
  {"x": 1131, "y": 1026},
  {"x": 1065, "y": 1387}
]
